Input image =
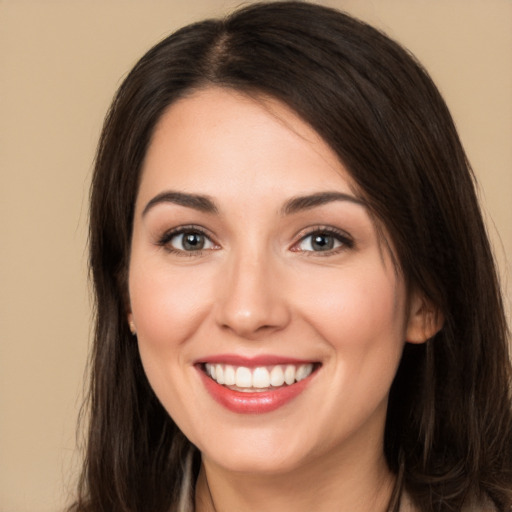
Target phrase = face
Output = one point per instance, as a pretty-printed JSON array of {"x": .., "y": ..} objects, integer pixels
[{"x": 269, "y": 316}]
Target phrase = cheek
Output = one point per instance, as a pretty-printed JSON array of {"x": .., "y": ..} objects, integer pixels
[
  {"x": 360, "y": 314},
  {"x": 167, "y": 304},
  {"x": 168, "y": 307},
  {"x": 359, "y": 309}
]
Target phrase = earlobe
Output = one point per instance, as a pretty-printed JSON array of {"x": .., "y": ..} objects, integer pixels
[
  {"x": 131, "y": 323},
  {"x": 425, "y": 320}
]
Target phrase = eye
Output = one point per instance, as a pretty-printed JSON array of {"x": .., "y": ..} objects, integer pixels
[
  {"x": 186, "y": 240},
  {"x": 191, "y": 241},
  {"x": 324, "y": 241}
]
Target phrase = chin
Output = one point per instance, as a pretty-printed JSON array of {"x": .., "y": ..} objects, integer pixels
[
  {"x": 256, "y": 464},
  {"x": 261, "y": 453}
]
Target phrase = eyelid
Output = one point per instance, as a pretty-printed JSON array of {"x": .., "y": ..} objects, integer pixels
[
  {"x": 346, "y": 240},
  {"x": 342, "y": 236},
  {"x": 165, "y": 239}
]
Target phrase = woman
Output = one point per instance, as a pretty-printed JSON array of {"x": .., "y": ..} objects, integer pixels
[{"x": 297, "y": 306}]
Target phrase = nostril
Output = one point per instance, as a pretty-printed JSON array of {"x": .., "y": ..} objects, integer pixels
[{"x": 256, "y": 320}]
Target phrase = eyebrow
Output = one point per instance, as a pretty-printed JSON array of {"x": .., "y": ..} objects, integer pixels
[
  {"x": 195, "y": 201},
  {"x": 207, "y": 205},
  {"x": 300, "y": 203}
]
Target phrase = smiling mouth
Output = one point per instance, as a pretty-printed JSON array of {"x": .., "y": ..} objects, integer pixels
[{"x": 260, "y": 378}]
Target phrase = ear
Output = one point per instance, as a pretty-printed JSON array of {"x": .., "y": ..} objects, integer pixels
[
  {"x": 424, "y": 321},
  {"x": 131, "y": 323}
]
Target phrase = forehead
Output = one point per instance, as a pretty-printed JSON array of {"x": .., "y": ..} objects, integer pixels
[
  {"x": 249, "y": 154},
  {"x": 248, "y": 141}
]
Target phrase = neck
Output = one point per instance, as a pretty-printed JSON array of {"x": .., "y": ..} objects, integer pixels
[{"x": 363, "y": 483}]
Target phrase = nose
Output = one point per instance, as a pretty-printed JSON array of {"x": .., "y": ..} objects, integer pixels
[{"x": 252, "y": 300}]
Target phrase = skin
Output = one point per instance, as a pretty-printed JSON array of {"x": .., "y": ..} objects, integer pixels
[{"x": 258, "y": 288}]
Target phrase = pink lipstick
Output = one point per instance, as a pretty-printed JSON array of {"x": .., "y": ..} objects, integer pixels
[{"x": 255, "y": 385}]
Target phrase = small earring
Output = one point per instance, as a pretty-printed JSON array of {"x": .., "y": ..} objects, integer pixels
[{"x": 132, "y": 328}]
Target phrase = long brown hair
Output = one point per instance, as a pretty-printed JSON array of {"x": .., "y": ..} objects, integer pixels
[{"x": 449, "y": 423}]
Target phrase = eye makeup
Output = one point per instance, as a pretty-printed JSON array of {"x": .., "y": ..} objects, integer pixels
[{"x": 193, "y": 239}]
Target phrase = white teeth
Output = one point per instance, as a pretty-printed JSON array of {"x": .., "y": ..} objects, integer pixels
[
  {"x": 258, "y": 378},
  {"x": 303, "y": 371},
  {"x": 219, "y": 374},
  {"x": 229, "y": 376},
  {"x": 210, "y": 370},
  {"x": 277, "y": 376},
  {"x": 243, "y": 377},
  {"x": 289, "y": 374}
]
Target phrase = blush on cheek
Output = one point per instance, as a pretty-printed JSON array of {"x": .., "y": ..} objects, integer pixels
[
  {"x": 367, "y": 334},
  {"x": 169, "y": 309}
]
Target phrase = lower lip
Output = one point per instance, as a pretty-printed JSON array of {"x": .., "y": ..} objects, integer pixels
[{"x": 253, "y": 403}]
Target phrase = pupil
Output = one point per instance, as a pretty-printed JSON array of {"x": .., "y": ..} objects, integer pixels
[
  {"x": 193, "y": 241},
  {"x": 322, "y": 242}
]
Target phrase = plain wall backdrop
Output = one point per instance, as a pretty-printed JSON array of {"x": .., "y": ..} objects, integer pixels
[{"x": 60, "y": 63}]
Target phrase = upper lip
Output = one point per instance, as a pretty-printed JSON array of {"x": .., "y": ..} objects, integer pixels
[{"x": 252, "y": 362}]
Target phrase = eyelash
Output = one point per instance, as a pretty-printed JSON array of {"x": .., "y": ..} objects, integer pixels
[
  {"x": 343, "y": 238},
  {"x": 165, "y": 240},
  {"x": 345, "y": 241}
]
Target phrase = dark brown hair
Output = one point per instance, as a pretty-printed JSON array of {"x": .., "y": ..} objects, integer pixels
[{"x": 449, "y": 420}]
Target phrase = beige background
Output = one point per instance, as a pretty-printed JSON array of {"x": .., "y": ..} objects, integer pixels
[{"x": 60, "y": 62}]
